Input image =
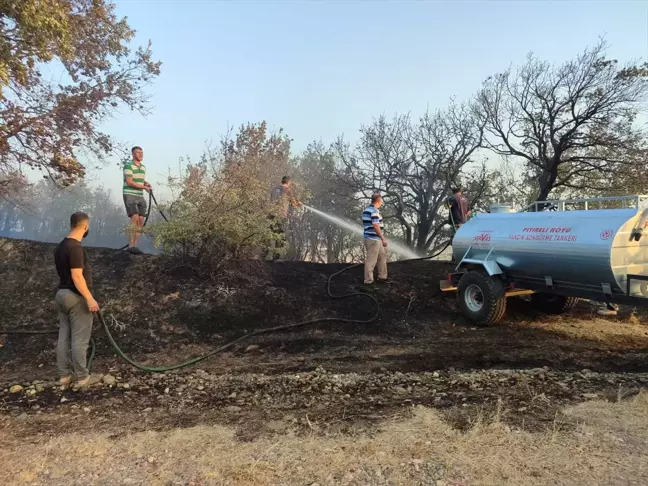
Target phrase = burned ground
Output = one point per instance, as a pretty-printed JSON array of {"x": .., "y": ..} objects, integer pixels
[{"x": 330, "y": 377}]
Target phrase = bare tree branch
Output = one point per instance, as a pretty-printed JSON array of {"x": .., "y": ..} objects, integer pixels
[{"x": 558, "y": 120}]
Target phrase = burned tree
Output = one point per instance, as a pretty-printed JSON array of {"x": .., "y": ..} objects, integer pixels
[
  {"x": 570, "y": 124},
  {"x": 414, "y": 165},
  {"x": 83, "y": 46},
  {"x": 315, "y": 238}
]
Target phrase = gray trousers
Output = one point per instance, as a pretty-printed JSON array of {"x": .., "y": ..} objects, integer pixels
[{"x": 75, "y": 327}]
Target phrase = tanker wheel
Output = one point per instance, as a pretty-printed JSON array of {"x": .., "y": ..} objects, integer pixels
[
  {"x": 482, "y": 299},
  {"x": 553, "y": 303}
]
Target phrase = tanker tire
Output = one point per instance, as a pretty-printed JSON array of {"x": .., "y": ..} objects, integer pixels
[
  {"x": 493, "y": 297},
  {"x": 552, "y": 303}
]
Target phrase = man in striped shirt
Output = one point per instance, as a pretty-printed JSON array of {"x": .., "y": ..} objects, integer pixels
[
  {"x": 134, "y": 186},
  {"x": 374, "y": 242}
]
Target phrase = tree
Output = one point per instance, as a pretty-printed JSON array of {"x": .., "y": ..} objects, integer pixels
[
  {"x": 47, "y": 124},
  {"x": 265, "y": 156},
  {"x": 414, "y": 165},
  {"x": 223, "y": 204},
  {"x": 628, "y": 177},
  {"x": 570, "y": 124},
  {"x": 43, "y": 214},
  {"x": 312, "y": 237}
]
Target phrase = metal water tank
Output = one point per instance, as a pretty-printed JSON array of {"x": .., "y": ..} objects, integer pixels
[{"x": 579, "y": 249}]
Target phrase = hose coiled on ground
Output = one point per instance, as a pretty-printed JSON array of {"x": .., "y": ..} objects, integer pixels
[{"x": 226, "y": 346}]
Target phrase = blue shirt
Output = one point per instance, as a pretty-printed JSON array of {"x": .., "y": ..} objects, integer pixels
[{"x": 371, "y": 216}]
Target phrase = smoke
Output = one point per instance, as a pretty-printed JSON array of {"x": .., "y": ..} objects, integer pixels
[
  {"x": 394, "y": 246},
  {"x": 43, "y": 214}
]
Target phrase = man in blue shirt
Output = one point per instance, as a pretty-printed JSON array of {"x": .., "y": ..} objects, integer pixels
[{"x": 374, "y": 242}]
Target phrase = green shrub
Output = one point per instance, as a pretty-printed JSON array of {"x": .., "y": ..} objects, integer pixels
[{"x": 220, "y": 213}]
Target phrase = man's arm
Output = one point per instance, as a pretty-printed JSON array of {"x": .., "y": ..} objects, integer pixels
[
  {"x": 375, "y": 222},
  {"x": 465, "y": 209},
  {"x": 132, "y": 183},
  {"x": 128, "y": 177},
  {"x": 76, "y": 269},
  {"x": 379, "y": 232},
  {"x": 292, "y": 200}
]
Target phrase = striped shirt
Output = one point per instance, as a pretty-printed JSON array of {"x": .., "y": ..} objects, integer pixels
[
  {"x": 371, "y": 216},
  {"x": 138, "y": 175}
]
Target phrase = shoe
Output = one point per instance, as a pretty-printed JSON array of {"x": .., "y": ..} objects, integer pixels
[
  {"x": 384, "y": 280},
  {"x": 65, "y": 380},
  {"x": 133, "y": 250},
  {"x": 88, "y": 381},
  {"x": 608, "y": 310}
]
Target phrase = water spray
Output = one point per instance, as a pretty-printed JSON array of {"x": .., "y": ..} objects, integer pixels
[{"x": 394, "y": 246}]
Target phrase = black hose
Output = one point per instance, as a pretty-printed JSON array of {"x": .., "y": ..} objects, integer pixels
[
  {"x": 148, "y": 213},
  {"x": 285, "y": 327},
  {"x": 198, "y": 359}
]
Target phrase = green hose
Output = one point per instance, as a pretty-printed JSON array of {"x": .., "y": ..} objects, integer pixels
[
  {"x": 93, "y": 348},
  {"x": 148, "y": 213},
  {"x": 198, "y": 359}
]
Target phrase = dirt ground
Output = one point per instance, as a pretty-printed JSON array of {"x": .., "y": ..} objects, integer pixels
[{"x": 416, "y": 397}]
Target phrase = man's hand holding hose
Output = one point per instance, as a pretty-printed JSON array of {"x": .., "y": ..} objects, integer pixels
[{"x": 380, "y": 234}]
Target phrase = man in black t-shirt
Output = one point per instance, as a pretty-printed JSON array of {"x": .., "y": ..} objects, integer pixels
[{"x": 75, "y": 304}]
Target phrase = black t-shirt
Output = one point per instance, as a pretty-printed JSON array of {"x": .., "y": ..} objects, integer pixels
[{"x": 70, "y": 254}]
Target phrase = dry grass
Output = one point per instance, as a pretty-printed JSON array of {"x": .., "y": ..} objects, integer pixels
[{"x": 608, "y": 447}]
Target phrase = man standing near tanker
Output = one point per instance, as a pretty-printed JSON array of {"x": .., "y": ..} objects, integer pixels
[
  {"x": 459, "y": 210},
  {"x": 374, "y": 242}
]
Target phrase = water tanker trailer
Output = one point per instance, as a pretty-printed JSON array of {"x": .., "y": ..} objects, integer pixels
[{"x": 552, "y": 253}]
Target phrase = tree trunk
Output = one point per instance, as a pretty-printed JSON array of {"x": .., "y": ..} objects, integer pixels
[
  {"x": 423, "y": 232},
  {"x": 548, "y": 178},
  {"x": 314, "y": 246},
  {"x": 8, "y": 222},
  {"x": 330, "y": 252}
]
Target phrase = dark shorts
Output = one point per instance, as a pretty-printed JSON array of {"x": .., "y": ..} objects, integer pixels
[{"x": 135, "y": 205}]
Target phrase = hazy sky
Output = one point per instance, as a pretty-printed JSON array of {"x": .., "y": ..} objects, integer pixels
[{"x": 322, "y": 68}]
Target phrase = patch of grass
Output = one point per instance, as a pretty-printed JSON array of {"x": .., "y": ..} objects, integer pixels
[{"x": 608, "y": 447}]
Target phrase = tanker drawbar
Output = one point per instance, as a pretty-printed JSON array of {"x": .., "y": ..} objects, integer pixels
[{"x": 552, "y": 253}]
